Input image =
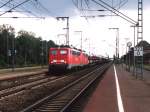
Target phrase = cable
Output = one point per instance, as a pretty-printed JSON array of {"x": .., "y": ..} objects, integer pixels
[
  {"x": 114, "y": 11},
  {"x": 87, "y": 3},
  {"x": 117, "y": 11},
  {"x": 79, "y": 9},
  {"x": 75, "y": 4},
  {"x": 15, "y": 17},
  {"x": 16, "y": 11},
  {"x": 21, "y": 8},
  {"x": 121, "y": 4},
  {"x": 6, "y": 3},
  {"x": 14, "y": 7},
  {"x": 44, "y": 7},
  {"x": 27, "y": 10}
]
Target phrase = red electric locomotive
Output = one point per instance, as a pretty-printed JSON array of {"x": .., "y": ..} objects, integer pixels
[{"x": 66, "y": 58}]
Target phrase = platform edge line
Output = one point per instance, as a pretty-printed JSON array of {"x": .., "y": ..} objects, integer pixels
[{"x": 119, "y": 99}]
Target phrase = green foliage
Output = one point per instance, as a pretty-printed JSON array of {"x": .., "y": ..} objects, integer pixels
[
  {"x": 28, "y": 49},
  {"x": 2, "y": 62}
]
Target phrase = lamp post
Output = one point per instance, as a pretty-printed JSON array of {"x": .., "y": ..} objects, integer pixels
[{"x": 67, "y": 28}]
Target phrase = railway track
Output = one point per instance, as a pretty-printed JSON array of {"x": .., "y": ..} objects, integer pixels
[
  {"x": 16, "y": 81},
  {"x": 19, "y": 84},
  {"x": 30, "y": 85},
  {"x": 14, "y": 100},
  {"x": 30, "y": 82},
  {"x": 61, "y": 100}
]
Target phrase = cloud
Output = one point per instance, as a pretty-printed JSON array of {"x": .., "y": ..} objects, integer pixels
[{"x": 102, "y": 40}]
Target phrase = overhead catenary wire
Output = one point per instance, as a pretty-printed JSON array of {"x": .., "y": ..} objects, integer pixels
[
  {"x": 118, "y": 11},
  {"x": 17, "y": 11},
  {"x": 87, "y": 3},
  {"x": 6, "y": 3},
  {"x": 82, "y": 6},
  {"x": 80, "y": 9},
  {"x": 14, "y": 10},
  {"x": 75, "y": 4},
  {"x": 43, "y": 7},
  {"x": 21, "y": 7},
  {"x": 120, "y": 4},
  {"x": 14, "y": 7},
  {"x": 15, "y": 17},
  {"x": 35, "y": 4},
  {"x": 123, "y": 16},
  {"x": 115, "y": 11},
  {"x": 123, "y": 3},
  {"x": 82, "y": 3},
  {"x": 93, "y": 16}
]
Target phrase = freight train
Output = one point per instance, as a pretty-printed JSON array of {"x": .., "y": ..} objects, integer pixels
[{"x": 66, "y": 58}]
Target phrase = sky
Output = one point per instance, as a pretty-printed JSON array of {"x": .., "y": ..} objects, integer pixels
[{"x": 97, "y": 38}]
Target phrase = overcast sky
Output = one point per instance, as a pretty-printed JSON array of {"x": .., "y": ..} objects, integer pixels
[{"x": 95, "y": 30}]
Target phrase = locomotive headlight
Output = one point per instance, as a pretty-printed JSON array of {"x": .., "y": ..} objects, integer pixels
[
  {"x": 54, "y": 61},
  {"x": 62, "y": 61}
]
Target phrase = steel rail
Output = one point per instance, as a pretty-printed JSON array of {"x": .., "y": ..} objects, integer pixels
[
  {"x": 9, "y": 91},
  {"x": 50, "y": 97},
  {"x": 18, "y": 81},
  {"x": 25, "y": 75},
  {"x": 84, "y": 89},
  {"x": 18, "y": 89}
]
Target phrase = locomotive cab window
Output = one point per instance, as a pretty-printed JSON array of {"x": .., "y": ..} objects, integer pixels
[
  {"x": 63, "y": 51},
  {"x": 75, "y": 53},
  {"x": 53, "y": 52}
]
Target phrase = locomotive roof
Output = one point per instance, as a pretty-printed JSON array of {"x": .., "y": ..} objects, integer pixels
[{"x": 66, "y": 47}]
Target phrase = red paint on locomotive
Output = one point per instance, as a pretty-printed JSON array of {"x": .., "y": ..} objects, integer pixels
[{"x": 66, "y": 58}]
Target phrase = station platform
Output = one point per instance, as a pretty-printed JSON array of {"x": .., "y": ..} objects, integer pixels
[{"x": 120, "y": 92}]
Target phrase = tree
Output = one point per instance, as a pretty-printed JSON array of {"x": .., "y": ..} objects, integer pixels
[
  {"x": 26, "y": 49},
  {"x": 7, "y": 34}
]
